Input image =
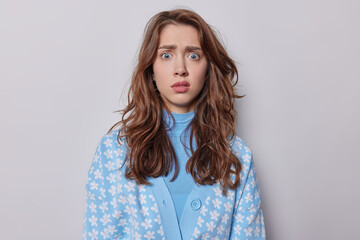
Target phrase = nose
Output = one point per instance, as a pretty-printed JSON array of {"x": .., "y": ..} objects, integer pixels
[{"x": 180, "y": 68}]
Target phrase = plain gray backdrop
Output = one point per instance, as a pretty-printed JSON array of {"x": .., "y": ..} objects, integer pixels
[{"x": 65, "y": 68}]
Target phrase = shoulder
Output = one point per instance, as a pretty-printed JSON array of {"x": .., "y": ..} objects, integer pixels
[
  {"x": 241, "y": 150},
  {"x": 111, "y": 141},
  {"x": 111, "y": 149}
]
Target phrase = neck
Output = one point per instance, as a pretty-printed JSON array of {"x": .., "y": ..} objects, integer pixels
[{"x": 179, "y": 123}]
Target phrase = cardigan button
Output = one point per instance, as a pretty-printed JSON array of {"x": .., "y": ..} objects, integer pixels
[{"x": 196, "y": 204}]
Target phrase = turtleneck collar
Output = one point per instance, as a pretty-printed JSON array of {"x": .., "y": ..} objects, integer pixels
[{"x": 182, "y": 120}]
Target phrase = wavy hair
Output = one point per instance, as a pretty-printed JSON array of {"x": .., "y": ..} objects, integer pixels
[{"x": 149, "y": 150}]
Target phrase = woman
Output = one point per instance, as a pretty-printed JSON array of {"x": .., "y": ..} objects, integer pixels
[{"x": 174, "y": 168}]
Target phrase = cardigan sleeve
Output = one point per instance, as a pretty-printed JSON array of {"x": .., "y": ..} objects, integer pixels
[
  {"x": 248, "y": 219},
  {"x": 100, "y": 213}
]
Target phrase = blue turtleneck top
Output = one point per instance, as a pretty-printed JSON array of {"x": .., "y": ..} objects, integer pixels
[{"x": 178, "y": 133}]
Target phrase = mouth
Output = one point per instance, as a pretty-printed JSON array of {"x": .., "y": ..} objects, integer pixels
[
  {"x": 181, "y": 87},
  {"x": 181, "y": 84}
]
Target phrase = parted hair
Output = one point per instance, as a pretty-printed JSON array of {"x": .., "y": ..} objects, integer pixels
[{"x": 149, "y": 149}]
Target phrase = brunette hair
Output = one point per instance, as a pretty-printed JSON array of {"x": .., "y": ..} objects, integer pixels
[{"x": 149, "y": 150}]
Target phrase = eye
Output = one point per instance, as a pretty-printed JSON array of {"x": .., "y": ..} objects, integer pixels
[
  {"x": 165, "y": 55},
  {"x": 194, "y": 56}
]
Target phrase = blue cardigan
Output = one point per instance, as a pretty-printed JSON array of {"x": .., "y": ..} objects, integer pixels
[{"x": 118, "y": 208}]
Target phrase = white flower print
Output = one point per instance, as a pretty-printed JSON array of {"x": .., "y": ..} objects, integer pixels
[
  {"x": 149, "y": 235},
  {"x": 105, "y": 234},
  {"x": 257, "y": 231},
  {"x": 152, "y": 197},
  {"x": 92, "y": 207},
  {"x": 228, "y": 206},
  {"x": 94, "y": 185},
  {"x": 93, "y": 234},
  {"x": 253, "y": 183},
  {"x": 220, "y": 229},
  {"x": 110, "y": 166},
  {"x": 132, "y": 211},
  {"x": 250, "y": 218},
  {"x": 123, "y": 199},
  {"x": 216, "y": 203},
  {"x": 215, "y": 238},
  {"x": 96, "y": 158},
  {"x": 253, "y": 208},
  {"x": 112, "y": 229},
  {"x": 112, "y": 190},
  {"x": 239, "y": 218},
  {"x": 214, "y": 215},
  {"x": 142, "y": 199},
  {"x": 91, "y": 196},
  {"x": 196, "y": 232},
  {"x": 154, "y": 208},
  {"x": 93, "y": 220},
  {"x": 137, "y": 236},
  {"x": 131, "y": 199},
  {"x": 205, "y": 236},
  {"x": 217, "y": 191},
  {"x": 248, "y": 231},
  {"x": 160, "y": 231},
  {"x": 230, "y": 195},
  {"x": 144, "y": 211},
  {"x": 249, "y": 197},
  {"x": 117, "y": 214},
  {"x": 237, "y": 229},
  {"x": 130, "y": 186},
  {"x": 146, "y": 223},
  {"x": 126, "y": 230},
  {"x": 102, "y": 193},
  {"x": 104, "y": 207},
  {"x": 118, "y": 152},
  {"x": 158, "y": 219},
  {"x": 203, "y": 210},
  {"x": 200, "y": 221},
  {"x": 119, "y": 188},
  {"x": 256, "y": 194},
  {"x": 108, "y": 154},
  {"x": 97, "y": 174},
  {"x": 207, "y": 200},
  {"x": 247, "y": 158},
  {"x": 142, "y": 188},
  {"x": 122, "y": 222},
  {"x": 105, "y": 219},
  {"x": 111, "y": 178},
  {"x": 210, "y": 226},
  {"x": 108, "y": 142},
  {"x": 114, "y": 203},
  {"x": 224, "y": 218},
  {"x": 134, "y": 223}
]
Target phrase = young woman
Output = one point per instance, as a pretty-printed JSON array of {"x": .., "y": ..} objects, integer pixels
[{"x": 173, "y": 167}]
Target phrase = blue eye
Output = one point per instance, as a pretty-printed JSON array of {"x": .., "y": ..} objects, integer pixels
[
  {"x": 194, "y": 56},
  {"x": 165, "y": 55}
]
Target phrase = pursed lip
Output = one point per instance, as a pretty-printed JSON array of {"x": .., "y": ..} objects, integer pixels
[{"x": 181, "y": 83}]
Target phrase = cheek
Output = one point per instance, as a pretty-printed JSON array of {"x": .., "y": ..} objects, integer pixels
[
  {"x": 160, "y": 72},
  {"x": 201, "y": 74}
]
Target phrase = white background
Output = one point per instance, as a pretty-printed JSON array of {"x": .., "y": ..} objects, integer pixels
[{"x": 65, "y": 68}]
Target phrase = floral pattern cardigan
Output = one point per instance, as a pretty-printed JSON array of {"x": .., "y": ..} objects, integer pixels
[{"x": 118, "y": 208}]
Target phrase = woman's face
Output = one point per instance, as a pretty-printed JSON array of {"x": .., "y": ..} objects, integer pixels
[{"x": 180, "y": 67}]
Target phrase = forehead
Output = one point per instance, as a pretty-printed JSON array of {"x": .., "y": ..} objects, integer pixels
[{"x": 179, "y": 34}]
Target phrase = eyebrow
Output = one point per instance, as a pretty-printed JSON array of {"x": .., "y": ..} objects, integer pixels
[{"x": 187, "y": 48}]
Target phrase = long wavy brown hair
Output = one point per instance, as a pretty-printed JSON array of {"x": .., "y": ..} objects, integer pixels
[{"x": 149, "y": 150}]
